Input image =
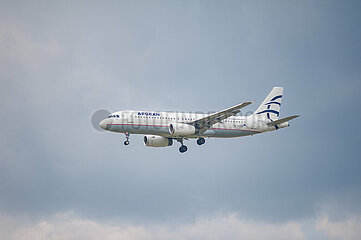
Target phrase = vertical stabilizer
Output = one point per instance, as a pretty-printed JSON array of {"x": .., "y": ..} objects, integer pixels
[{"x": 271, "y": 105}]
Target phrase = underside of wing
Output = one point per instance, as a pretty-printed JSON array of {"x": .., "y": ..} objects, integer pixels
[{"x": 207, "y": 122}]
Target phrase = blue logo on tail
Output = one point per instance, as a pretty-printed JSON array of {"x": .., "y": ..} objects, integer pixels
[{"x": 269, "y": 110}]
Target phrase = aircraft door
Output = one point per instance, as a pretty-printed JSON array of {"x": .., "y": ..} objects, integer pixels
[
  {"x": 251, "y": 122},
  {"x": 129, "y": 117}
]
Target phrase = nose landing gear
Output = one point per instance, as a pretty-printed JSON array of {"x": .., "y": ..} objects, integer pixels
[{"x": 126, "y": 142}]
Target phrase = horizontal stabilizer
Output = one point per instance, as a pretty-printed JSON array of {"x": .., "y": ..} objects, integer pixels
[{"x": 282, "y": 120}]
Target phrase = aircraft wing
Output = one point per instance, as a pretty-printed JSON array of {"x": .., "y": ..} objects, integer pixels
[{"x": 208, "y": 121}]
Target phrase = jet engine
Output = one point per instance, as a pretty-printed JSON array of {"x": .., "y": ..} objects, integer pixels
[
  {"x": 157, "y": 141},
  {"x": 181, "y": 129}
]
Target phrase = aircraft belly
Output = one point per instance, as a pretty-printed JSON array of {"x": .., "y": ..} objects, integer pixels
[
  {"x": 163, "y": 130},
  {"x": 225, "y": 133},
  {"x": 209, "y": 133},
  {"x": 140, "y": 129}
]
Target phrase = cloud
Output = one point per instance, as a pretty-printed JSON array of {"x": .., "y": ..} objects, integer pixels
[
  {"x": 68, "y": 226},
  {"x": 58, "y": 64},
  {"x": 349, "y": 229},
  {"x": 18, "y": 47}
]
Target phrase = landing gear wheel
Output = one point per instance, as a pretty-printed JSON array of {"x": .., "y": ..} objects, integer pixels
[
  {"x": 201, "y": 141},
  {"x": 127, "y": 139},
  {"x": 183, "y": 148}
]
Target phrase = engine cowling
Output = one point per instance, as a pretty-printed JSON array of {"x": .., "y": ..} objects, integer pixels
[
  {"x": 157, "y": 141},
  {"x": 181, "y": 129}
]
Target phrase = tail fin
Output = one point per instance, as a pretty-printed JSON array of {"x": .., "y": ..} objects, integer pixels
[{"x": 271, "y": 105}]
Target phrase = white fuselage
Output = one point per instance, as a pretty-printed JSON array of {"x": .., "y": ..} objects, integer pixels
[{"x": 158, "y": 123}]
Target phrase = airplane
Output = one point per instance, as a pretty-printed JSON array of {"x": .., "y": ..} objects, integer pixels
[{"x": 162, "y": 128}]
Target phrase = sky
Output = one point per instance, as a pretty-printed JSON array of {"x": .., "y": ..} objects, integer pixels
[{"x": 62, "y": 61}]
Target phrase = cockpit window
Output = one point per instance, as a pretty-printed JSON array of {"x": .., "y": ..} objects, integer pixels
[{"x": 113, "y": 116}]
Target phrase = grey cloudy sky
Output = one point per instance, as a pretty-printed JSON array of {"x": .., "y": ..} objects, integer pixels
[{"x": 62, "y": 61}]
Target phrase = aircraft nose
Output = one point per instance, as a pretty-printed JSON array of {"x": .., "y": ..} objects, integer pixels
[
  {"x": 106, "y": 123},
  {"x": 103, "y": 124}
]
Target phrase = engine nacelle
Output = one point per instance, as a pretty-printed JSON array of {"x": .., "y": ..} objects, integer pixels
[
  {"x": 181, "y": 129},
  {"x": 157, "y": 141}
]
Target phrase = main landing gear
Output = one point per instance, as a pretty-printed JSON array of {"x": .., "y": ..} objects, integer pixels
[
  {"x": 126, "y": 142},
  {"x": 201, "y": 141},
  {"x": 182, "y": 148}
]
